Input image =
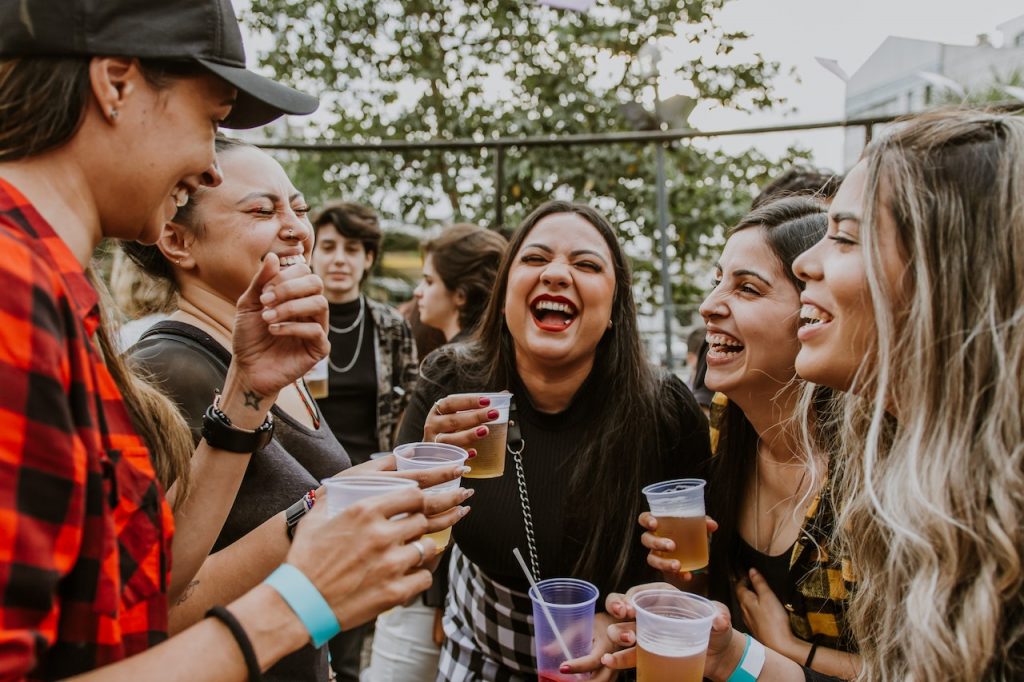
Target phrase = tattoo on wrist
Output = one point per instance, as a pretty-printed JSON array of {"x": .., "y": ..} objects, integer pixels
[
  {"x": 187, "y": 593},
  {"x": 253, "y": 399}
]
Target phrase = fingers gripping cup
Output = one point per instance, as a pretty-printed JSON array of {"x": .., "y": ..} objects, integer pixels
[
  {"x": 679, "y": 507},
  {"x": 490, "y": 450},
  {"x": 570, "y": 604},
  {"x": 672, "y": 633},
  {"x": 344, "y": 491},
  {"x": 430, "y": 456}
]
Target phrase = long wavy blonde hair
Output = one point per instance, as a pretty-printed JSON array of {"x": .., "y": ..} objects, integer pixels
[{"x": 931, "y": 439}]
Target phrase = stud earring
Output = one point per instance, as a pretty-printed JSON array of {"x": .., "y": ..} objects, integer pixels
[
  {"x": 114, "y": 113},
  {"x": 609, "y": 324}
]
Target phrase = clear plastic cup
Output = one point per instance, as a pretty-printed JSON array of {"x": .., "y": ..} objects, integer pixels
[
  {"x": 571, "y": 605},
  {"x": 490, "y": 450},
  {"x": 343, "y": 491},
  {"x": 430, "y": 456},
  {"x": 317, "y": 379},
  {"x": 679, "y": 507},
  {"x": 672, "y": 633}
]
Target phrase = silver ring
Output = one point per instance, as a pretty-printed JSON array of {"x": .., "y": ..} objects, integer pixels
[
  {"x": 437, "y": 406},
  {"x": 436, "y": 436},
  {"x": 419, "y": 548}
]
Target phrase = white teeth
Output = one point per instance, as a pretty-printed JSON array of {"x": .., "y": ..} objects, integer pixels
[
  {"x": 723, "y": 340},
  {"x": 180, "y": 196},
  {"x": 556, "y": 306},
  {"x": 287, "y": 261},
  {"x": 812, "y": 314}
]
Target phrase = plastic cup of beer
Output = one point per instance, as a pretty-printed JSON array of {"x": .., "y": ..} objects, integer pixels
[
  {"x": 344, "y": 491},
  {"x": 679, "y": 507},
  {"x": 571, "y": 605},
  {"x": 490, "y": 450},
  {"x": 412, "y": 456},
  {"x": 672, "y": 633},
  {"x": 316, "y": 380}
]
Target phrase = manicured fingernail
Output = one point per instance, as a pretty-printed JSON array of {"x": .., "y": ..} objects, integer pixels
[
  {"x": 269, "y": 314},
  {"x": 268, "y": 297},
  {"x": 276, "y": 327},
  {"x": 463, "y": 511},
  {"x": 468, "y": 493},
  {"x": 564, "y": 668},
  {"x": 492, "y": 414},
  {"x": 472, "y": 454},
  {"x": 465, "y": 470},
  {"x": 484, "y": 401},
  {"x": 481, "y": 431}
]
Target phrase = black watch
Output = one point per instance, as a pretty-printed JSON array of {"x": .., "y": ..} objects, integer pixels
[
  {"x": 293, "y": 515},
  {"x": 221, "y": 434}
]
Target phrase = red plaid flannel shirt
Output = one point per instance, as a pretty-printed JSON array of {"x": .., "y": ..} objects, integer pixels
[{"x": 84, "y": 527}]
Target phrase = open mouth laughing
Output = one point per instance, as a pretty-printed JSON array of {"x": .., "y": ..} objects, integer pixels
[
  {"x": 723, "y": 346},
  {"x": 553, "y": 313}
]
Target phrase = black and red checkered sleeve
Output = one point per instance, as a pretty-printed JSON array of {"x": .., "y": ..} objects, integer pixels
[{"x": 43, "y": 470}]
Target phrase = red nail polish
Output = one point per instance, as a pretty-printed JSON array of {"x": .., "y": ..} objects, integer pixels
[
  {"x": 484, "y": 401},
  {"x": 472, "y": 454},
  {"x": 492, "y": 414},
  {"x": 481, "y": 431},
  {"x": 564, "y": 668}
]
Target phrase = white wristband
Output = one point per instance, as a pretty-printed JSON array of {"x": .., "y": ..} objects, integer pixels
[{"x": 755, "y": 658}]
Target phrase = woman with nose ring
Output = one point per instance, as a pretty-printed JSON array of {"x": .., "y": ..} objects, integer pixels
[
  {"x": 205, "y": 254},
  {"x": 596, "y": 424}
]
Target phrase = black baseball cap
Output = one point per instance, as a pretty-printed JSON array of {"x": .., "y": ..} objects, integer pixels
[{"x": 201, "y": 31}]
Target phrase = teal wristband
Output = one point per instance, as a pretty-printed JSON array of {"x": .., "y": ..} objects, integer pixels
[
  {"x": 306, "y": 601},
  {"x": 751, "y": 662}
]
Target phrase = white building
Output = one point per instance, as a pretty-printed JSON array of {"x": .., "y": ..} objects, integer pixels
[{"x": 891, "y": 83}]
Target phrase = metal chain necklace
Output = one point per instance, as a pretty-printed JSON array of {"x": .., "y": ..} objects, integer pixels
[
  {"x": 359, "y": 343},
  {"x": 355, "y": 322}
]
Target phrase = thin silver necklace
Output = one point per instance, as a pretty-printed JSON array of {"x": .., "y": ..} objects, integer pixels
[
  {"x": 355, "y": 322},
  {"x": 359, "y": 342}
]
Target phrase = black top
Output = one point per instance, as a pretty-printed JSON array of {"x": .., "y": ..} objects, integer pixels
[
  {"x": 350, "y": 407},
  {"x": 495, "y": 526},
  {"x": 278, "y": 475},
  {"x": 775, "y": 569}
]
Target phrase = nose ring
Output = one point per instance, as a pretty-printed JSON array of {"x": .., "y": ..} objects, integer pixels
[{"x": 291, "y": 233}]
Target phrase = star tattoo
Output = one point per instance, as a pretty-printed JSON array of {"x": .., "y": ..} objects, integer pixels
[{"x": 252, "y": 400}]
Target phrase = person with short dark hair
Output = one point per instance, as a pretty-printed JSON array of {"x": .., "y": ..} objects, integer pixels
[{"x": 373, "y": 363}]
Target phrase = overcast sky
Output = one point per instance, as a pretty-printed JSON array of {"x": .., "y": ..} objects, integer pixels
[{"x": 793, "y": 32}]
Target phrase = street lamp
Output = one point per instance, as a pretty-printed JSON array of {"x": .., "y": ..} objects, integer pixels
[{"x": 673, "y": 113}]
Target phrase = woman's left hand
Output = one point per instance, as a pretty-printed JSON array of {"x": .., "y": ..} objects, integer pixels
[
  {"x": 764, "y": 614},
  {"x": 280, "y": 328},
  {"x": 592, "y": 661}
]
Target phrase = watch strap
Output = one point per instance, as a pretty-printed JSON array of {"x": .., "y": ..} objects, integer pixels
[{"x": 221, "y": 434}]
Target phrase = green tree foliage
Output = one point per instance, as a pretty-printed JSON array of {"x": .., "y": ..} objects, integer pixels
[{"x": 449, "y": 69}]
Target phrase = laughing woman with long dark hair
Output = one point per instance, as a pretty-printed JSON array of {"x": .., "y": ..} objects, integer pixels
[{"x": 597, "y": 424}]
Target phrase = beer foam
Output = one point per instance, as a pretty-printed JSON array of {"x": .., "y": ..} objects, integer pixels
[{"x": 666, "y": 644}]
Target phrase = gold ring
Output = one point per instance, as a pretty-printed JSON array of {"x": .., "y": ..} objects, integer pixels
[{"x": 419, "y": 548}]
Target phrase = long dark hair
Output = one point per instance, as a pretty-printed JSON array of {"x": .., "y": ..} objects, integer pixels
[
  {"x": 619, "y": 452},
  {"x": 790, "y": 226}
]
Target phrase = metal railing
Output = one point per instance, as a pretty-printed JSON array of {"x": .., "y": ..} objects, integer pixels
[{"x": 659, "y": 138}]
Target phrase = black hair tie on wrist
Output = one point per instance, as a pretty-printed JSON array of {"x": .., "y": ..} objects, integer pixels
[
  {"x": 238, "y": 632},
  {"x": 810, "y": 656}
]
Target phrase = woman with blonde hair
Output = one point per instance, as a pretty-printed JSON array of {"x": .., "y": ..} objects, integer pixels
[{"x": 913, "y": 305}]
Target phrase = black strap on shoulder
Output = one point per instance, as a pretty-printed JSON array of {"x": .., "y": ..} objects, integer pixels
[{"x": 190, "y": 336}]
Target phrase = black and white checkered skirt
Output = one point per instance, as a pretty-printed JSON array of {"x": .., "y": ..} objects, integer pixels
[{"x": 488, "y": 629}]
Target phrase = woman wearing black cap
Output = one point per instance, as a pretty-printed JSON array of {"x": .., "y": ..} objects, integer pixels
[{"x": 94, "y": 146}]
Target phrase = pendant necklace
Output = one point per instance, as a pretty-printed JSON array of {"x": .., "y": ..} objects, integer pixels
[{"x": 361, "y": 321}]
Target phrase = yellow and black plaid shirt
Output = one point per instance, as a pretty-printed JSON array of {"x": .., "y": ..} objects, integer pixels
[{"x": 822, "y": 583}]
